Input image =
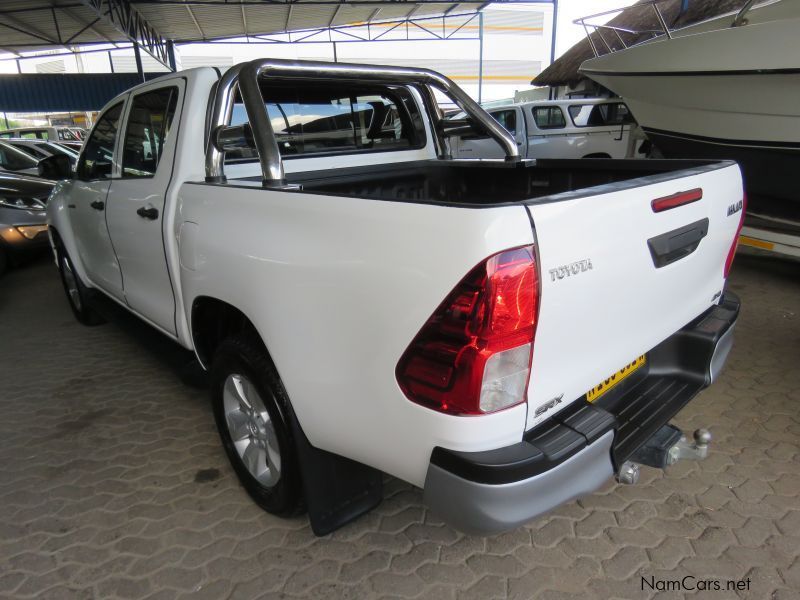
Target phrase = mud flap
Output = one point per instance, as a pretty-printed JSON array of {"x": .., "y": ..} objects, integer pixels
[{"x": 337, "y": 489}]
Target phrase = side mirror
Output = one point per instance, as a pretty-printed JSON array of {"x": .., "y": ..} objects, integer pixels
[{"x": 55, "y": 167}]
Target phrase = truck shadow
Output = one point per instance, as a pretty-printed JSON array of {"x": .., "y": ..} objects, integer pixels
[{"x": 178, "y": 359}]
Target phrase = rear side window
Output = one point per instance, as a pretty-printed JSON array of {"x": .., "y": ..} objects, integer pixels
[
  {"x": 33, "y": 135},
  {"x": 549, "y": 117},
  {"x": 506, "y": 118},
  {"x": 319, "y": 120},
  {"x": 149, "y": 122},
  {"x": 599, "y": 115},
  {"x": 98, "y": 153}
]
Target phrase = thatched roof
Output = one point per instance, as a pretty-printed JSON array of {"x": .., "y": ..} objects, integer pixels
[{"x": 564, "y": 71}]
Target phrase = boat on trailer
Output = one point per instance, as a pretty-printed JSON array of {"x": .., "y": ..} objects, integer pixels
[{"x": 727, "y": 87}]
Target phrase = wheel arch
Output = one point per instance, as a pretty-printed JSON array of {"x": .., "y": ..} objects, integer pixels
[
  {"x": 212, "y": 321},
  {"x": 64, "y": 238},
  {"x": 597, "y": 155}
]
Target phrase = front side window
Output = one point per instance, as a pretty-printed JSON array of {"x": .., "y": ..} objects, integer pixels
[
  {"x": 98, "y": 154},
  {"x": 506, "y": 118},
  {"x": 549, "y": 117},
  {"x": 149, "y": 122},
  {"x": 68, "y": 135},
  {"x": 316, "y": 120}
]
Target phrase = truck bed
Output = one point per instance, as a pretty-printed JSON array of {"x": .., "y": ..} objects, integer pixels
[{"x": 493, "y": 183}]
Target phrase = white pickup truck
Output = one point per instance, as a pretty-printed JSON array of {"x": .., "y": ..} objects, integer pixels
[
  {"x": 505, "y": 334},
  {"x": 572, "y": 128}
]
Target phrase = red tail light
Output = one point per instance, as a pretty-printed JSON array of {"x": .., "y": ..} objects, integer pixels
[
  {"x": 732, "y": 251},
  {"x": 676, "y": 200},
  {"x": 473, "y": 355}
]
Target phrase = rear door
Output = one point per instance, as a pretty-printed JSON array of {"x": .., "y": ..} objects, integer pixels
[
  {"x": 136, "y": 200},
  {"x": 604, "y": 299},
  {"x": 548, "y": 136}
]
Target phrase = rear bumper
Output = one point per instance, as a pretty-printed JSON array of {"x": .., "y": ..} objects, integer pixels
[{"x": 581, "y": 447}]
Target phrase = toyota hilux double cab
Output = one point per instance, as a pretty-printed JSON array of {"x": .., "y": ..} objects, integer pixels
[{"x": 505, "y": 334}]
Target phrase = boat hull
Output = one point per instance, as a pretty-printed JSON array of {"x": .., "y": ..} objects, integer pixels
[
  {"x": 770, "y": 172},
  {"x": 730, "y": 93}
]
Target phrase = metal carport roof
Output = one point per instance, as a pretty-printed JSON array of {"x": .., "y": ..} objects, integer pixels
[{"x": 27, "y": 25}]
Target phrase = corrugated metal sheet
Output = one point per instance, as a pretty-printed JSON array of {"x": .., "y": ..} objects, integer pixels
[
  {"x": 194, "y": 22},
  {"x": 63, "y": 92}
]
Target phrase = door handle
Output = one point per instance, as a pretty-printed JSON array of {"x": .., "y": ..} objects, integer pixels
[
  {"x": 147, "y": 213},
  {"x": 98, "y": 205}
]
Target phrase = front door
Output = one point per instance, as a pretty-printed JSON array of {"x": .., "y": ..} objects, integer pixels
[
  {"x": 136, "y": 202},
  {"x": 87, "y": 194}
]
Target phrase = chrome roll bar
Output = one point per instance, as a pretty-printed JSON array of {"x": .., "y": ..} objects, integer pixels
[{"x": 244, "y": 78}]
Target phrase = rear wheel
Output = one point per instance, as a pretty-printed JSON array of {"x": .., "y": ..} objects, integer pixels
[
  {"x": 77, "y": 293},
  {"x": 250, "y": 408}
]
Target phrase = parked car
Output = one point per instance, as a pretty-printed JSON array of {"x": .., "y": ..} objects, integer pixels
[
  {"x": 23, "y": 226},
  {"x": 15, "y": 160},
  {"x": 504, "y": 335},
  {"x": 71, "y": 136},
  {"x": 579, "y": 128},
  {"x": 39, "y": 149}
]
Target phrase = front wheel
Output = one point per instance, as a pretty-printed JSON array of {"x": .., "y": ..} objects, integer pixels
[
  {"x": 76, "y": 291},
  {"x": 250, "y": 408}
]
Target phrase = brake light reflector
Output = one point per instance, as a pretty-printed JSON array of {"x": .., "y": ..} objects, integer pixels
[
  {"x": 675, "y": 200},
  {"x": 473, "y": 355},
  {"x": 735, "y": 243}
]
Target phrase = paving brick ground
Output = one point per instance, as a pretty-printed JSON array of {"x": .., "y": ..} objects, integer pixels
[{"x": 114, "y": 485}]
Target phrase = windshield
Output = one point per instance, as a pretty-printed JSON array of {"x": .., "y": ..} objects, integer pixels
[
  {"x": 53, "y": 147},
  {"x": 12, "y": 159}
]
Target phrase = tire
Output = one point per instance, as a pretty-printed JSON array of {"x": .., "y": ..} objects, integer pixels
[
  {"x": 77, "y": 293},
  {"x": 251, "y": 405}
]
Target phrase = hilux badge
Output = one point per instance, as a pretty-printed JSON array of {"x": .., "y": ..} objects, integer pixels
[{"x": 736, "y": 207}]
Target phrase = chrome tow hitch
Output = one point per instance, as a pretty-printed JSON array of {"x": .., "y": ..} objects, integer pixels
[
  {"x": 697, "y": 450},
  {"x": 667, "y": 446}
]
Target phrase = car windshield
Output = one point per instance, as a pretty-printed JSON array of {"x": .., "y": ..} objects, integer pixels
[
  {"x": 30, "y": 150},
  {"x": 54, "y": 148},
  {"x": 12, "y": 159}
]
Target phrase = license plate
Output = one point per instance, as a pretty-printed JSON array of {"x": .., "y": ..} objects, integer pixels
[{"x": 608, "y": 384}]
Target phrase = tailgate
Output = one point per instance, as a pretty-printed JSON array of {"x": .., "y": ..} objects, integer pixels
[{"x": 604, "y": 300}]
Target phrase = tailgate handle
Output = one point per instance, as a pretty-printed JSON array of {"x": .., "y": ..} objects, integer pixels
[{"x": 678, "y": 243}]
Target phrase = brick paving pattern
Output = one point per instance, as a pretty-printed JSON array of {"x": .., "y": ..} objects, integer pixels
[{"x": 114, "y": 483}]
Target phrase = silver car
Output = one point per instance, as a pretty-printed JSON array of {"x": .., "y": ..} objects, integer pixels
[{"x": 23, "y": 228}]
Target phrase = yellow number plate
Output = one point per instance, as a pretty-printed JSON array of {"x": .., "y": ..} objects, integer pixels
[{"x": 604, "y": 386}]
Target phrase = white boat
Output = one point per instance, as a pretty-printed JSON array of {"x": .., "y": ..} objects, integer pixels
[{"x": 728, "y": 87}]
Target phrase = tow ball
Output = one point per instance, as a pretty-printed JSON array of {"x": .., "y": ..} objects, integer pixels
[{"x": 667, "y": 446}]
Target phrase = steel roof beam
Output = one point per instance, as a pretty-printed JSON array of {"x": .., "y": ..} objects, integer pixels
[{"x": 128, "y": 21}]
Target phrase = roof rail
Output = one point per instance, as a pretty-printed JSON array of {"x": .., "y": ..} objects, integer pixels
[{"x": 245, "y": 77}]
